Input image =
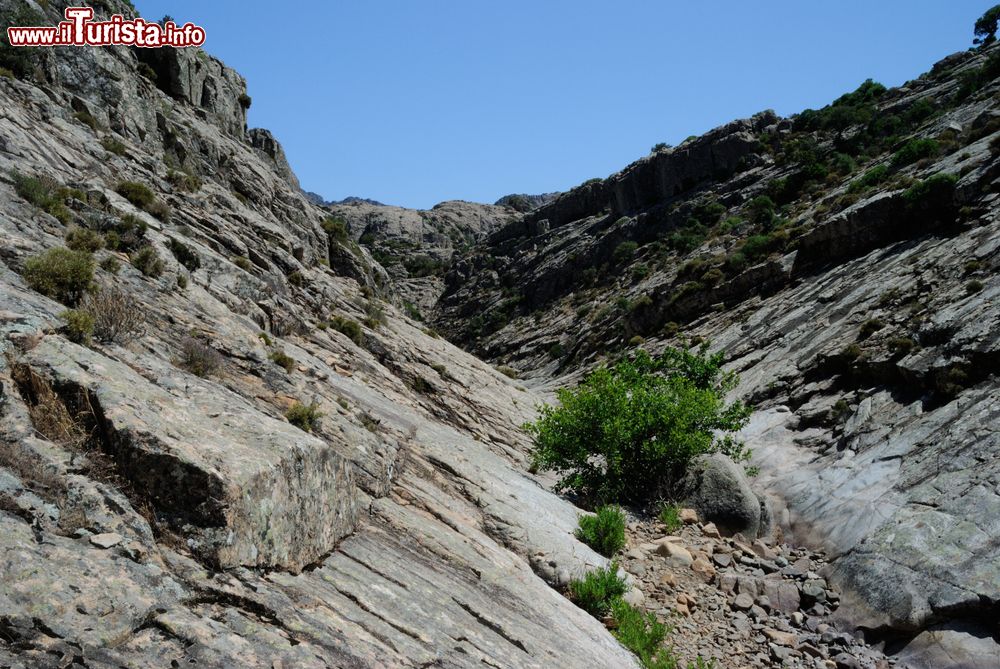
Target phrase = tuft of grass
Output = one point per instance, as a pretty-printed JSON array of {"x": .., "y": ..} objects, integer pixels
[
  {"x": 597, "y": 590},
  {"x": 142, "y": 197},
  {"x": 670, "y": 515},
  {"x": 304, "y": 416},
  {"x": 973, "y": 287},
  {"x": 604, "y": 531},
  {"x": 43, "y": 193},
  {"x": 640, "y": 632},
  {"x": 350, "y": 328},
  {"x": 88, "y": 120},
  {"x": 242, "y": 262},
  {"x": 79, "y": 326},
  {"x": 84, "y": 239},
  {"x": 114, "y": 146},
  {"x": 283, "y": 360},
  {"x": 870, "y": 327}
]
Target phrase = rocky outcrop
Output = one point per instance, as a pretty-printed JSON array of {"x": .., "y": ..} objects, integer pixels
[{"x": 719, "y": 491}]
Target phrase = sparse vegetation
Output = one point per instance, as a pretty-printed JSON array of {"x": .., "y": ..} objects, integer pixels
[
  {"x": 914, "y": 150},
  {"x": 185, "y": 255},
  {"x": 86, "y": 118},
  {"x": 84, "y": 239},
  {"x": 604, "y": 531},
  {"x": 61, "y": 274},
  {"x": 304, "y": 416},
  {"x": 350, "y": 328},
  {"x": 118, "y": 317},
  {"x": 283, "y": 360},
  {"x": 113, "y": 145},
  {"x": 242, "y": 262},
  {"x": 43, "y": 193},
  {"x": 142, "y": 197},
  {"x": 336, "y": 228},
  {"x": 631, "y": 429},
  {"x": 624, "y": 252},
  {"x": 199, "y": 358}
]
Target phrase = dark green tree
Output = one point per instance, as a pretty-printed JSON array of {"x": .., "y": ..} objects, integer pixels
[{"x": 985, "y": 29}]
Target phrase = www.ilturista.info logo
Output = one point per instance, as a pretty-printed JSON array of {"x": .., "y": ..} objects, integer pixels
[{"x": 79, "y": 30}]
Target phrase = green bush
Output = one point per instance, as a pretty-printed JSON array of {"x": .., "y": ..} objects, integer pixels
[
  {"x": 914, "y": 150},
  {"x": 973, "y": 287},
  {"x": 597, "y": 590},
  {"x": 147, "y": 261},
  {"x": 641, "y": 633},
  {"x": 61, "y": 274},
  {"x": 84, "y": 239},
  {"x": 985, "y": 28},
  {"x": 245, "y": 101},
  {"x": 87, "y": 119},
  {"x": 243, "y": 263},
  {"x": 604, "y": 531},
  {"x": 304, "y": 416},
  {"x": 114, "y": 146},
  {"x": 624, "y": 252},
  {"x": 79, "y": 326},
  {"x": 142, "y": 197},
  {"x": 43, "y": 193},
  {"x": 869, "y": 179},
  {"x": 870, "y": 327},
  {"x": 350, "y": 328},
  {"x": 935, "y": 194},
  {"x": 128, "y": 234},
  {"x": 283, "y": 360},
  {"x": 336, "y": 227},
  {"x": 629, "y": 430}
]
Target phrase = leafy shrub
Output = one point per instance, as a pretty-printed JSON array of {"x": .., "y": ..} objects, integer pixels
[
  {"x": 914, "y": 150},
  {"x": 148, "y": 261},
  {"x": 43, "y": 193},
  {"x": 973, "y": 287},
  {"x": 336, "y": 227},
  {"x": 374, "y": 314},
  {"x": 297, "y": 279},
  {"x": 199, "y": 358},
  {"x": 869, "y": 179},
  {"x": 110, "y": 264},
  {"x": 985, "y": 28},
  {"x": 628, "y": 430},
  {"x": 641, "y": 633},
  {"x": 184, "y": 180},
  {"x": 146, "y": 71},
  {"x": 79, "y": 326},
  {"x": 935, "y": 193},
  {"x": 20, "y": 61},
  {"x": 670, "y": 515},
  {"x": 624, "y": 252},
  {"x": 142, "y": 197},
  {"x": 597, "y": 590},
  {"x": 61, "y": 274},
  {"x": 117, "y": 316},
  {"x": 128, "y": 234},
  {"x": 424, "y": 265},
  {"x": 509, "y": 372},
  {"x": 114, "y": 146},
  {"x": 245, "y": 101},
  {"x": 283, "y": 360},
  {"x": 184, "y": 254},
  {"x": 604, "y": 531},
  {"x": 304, "y": 416},
  {"x": 348, "y": 327},
  {"x": 84, "y": 239}
]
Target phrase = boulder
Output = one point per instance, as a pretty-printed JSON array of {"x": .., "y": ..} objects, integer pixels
[{"x": 718, "y": 489}]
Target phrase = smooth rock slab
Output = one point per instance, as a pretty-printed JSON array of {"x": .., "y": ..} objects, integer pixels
[{"x": 247, "y": 489}]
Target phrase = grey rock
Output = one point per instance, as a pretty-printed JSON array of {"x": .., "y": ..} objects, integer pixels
[{"x": 717, "y": 487}]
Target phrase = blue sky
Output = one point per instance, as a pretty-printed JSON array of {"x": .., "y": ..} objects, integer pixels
[{"x": 413, "y": 103}]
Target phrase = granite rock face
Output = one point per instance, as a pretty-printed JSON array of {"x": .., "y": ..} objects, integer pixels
[{"x": 152, "y": 516}]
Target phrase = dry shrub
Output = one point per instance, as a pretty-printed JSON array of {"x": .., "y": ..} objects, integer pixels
[
  {"x": 118, "y": 317},
  {"x": 199, "y": 358}
]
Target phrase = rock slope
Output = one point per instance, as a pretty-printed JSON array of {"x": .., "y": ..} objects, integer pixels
[
  {"x": 156, "y": 506},
  {"x": 846, "y": 262}
]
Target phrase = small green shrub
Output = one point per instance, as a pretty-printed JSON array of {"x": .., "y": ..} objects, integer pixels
[
  {"x": 509, "y": 372},
  {"x": 84, "y": 239},
  {"x": 147, "y": 261},
  {"x": 245, "y": 101},
  {"x": 624, "y": 252},
  {"x": 61, "y": 274},
  {"x": 350, "y": 328},
  {"x": 642, "y": 634},
  {"x": 79, "y": 326},
  {"x": 114, "y": 146},
  {"x": 283, "y": 360},
  {"x": 869, "y": 179},
  {"x": 670, "y": 515},
  {"x": 336, "y": 227},
  {"x": 184, "y": 181},
  {"x": 374, "y": 314},
  {"x": 110, "y": 265},
  {"x": 914, "y": 150},
  {"x": 628, "y": 430},
  {"x": 604, "y": 531},
  {"x": 297, "y": 279},
  {"x": 43, "y": 193},
  {"x": 934, "y": 192},
  {"x": 128, "y": 234},
  {"x": 304, "y": 416},
  {"x": 973, "y": 287},
  {"x": 146, "y": 71},
  {"x": 142, "y": 197},
  {"x": 597, "y": 590}
]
